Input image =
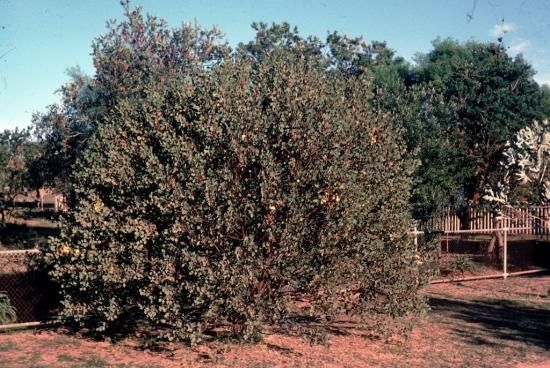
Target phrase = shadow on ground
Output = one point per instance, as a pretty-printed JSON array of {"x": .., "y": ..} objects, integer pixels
[{"x": 502, "y": 319}]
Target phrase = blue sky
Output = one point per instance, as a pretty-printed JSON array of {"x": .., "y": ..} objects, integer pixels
[{"x": 40, "y": 39}]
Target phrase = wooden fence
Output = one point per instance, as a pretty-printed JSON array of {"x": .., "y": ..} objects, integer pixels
[{"x": 534, "y": 220}]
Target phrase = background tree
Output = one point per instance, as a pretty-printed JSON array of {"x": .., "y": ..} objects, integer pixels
[
  {"x": 353, "y": 56},
  {"x": 489, "y": 97},
  {"x": 526, "y": 167},
  {"x": 62, "y": 132},
  {"x": 281, "y": 35},
  {"x": 130, "y": 53},
  {"x": 16, "y": 151},
  {"x": 525, "y": 179}
]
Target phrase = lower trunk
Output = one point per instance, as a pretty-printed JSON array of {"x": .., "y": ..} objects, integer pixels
[
  {"x": 464, "y": 217},
  {"x": 496, "y": 244},
  {"x": 40, "y": 199}
]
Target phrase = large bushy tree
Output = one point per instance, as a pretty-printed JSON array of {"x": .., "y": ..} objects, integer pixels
[{"x": 211, "y": 191}]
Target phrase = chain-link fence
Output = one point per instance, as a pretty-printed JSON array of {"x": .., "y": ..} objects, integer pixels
[{"x": 25, "y": 288}]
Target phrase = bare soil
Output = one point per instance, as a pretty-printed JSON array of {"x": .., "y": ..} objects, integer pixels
[{"x": 490, "y": 323}]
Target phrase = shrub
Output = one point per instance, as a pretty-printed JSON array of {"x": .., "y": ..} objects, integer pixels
[
  {"x": 209, "y": 199},
  {"x": 456, "y": 264},
  {"x": 7, "y": 311}
]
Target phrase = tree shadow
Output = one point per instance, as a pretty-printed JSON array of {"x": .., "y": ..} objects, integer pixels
[
  {"x": 502, "y": 319},
  {"x": 283, "y": 350},
  {"x": 312, "y": 327}
]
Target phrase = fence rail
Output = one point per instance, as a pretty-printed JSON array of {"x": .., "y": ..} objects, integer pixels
[{"x": 532, "y": 220}]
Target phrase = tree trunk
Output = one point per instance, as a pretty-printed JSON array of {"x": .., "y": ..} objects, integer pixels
[
  {"x": 494, "y": 250},
  {"x": 40, "y": 198},
  {"x": 464, "y": 217}
]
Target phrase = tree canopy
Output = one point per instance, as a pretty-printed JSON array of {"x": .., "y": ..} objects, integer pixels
[{"x": 489, "y": 96}]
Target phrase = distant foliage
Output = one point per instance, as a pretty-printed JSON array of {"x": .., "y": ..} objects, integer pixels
[
  {"x": 212, "y": 197},
  {"x": 525, "y": 166},
  {"x": 17, "y": 151},
  {"x": 61, "y": 132}
]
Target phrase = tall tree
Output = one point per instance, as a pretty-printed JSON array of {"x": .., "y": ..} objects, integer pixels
[
  {"x": 211, "y": 189},
  {"x": 490, "y": 96},
  {"x": 62, "y": 131}
]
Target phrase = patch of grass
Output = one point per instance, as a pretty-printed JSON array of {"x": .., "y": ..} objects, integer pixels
[
  {"x": 8, "y": 346},
  {"x": 66, "y": 358},
  {"x": 33, "y": 360},
  {"x": 92, "y": 361},
  {"x": 64, "y": 340}
]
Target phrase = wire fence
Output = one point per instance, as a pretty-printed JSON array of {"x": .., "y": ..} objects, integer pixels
[
  {"x": 24, "y": 287},
  {"x": 488, "y": 253}
]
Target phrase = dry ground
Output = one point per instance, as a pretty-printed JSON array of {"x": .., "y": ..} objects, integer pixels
[{"x": 492, "y": 323}]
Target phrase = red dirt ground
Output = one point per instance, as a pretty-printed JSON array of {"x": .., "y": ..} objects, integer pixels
[{"x": 491, "y": 323}]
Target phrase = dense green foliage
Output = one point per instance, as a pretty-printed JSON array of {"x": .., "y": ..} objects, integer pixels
[
  {"x": 489, "y": 96},
  {"x": 214, "y": 196},
  {"x": 156, "y": 54}
]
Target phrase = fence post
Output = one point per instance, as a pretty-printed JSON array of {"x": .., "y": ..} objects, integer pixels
[
  {"x": 505, "y": 253},
  {"x": 415, "y": 239}
]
